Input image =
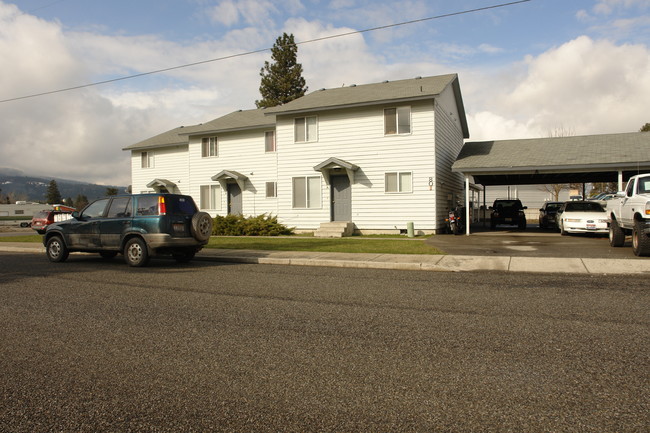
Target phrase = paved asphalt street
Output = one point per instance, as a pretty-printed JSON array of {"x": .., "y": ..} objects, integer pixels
[{"x": 96, "y": 346}]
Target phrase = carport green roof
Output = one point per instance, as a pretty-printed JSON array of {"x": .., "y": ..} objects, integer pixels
[{"x": 588, "y": 158}]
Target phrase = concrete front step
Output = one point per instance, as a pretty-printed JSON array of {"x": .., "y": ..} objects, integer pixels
[{"x": 335, "y": 229}]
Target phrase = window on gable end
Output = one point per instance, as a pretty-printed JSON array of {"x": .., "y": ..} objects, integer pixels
[{"x": 397, "y": 120}]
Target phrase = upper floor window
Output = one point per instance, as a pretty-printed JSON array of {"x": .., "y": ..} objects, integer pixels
[
  {"x": 146, "y": 160},
  {"x": 399, "y": 182},
  {"x": 269, "y": 141},
  {"x": 397, "y": 120},
  {"x": 209, "y": 147},
  {"x": 305, "y": 129}
]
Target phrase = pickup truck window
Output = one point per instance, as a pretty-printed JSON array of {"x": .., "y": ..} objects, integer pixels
[{"x": 644, "y": 185}]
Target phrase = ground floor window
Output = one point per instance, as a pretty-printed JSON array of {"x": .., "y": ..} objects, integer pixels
[
  {"x": 271, "y": 189},
  {"x": 306, "y": 192},
  {"x": 211, "y": 197},
  {"x": 399, "y": 182}
]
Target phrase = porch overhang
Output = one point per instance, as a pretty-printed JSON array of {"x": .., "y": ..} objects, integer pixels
[
  {"x": 159, "y": 184},
  {"x": 225, "y": 175},
  {"x": 333, "y": 165}
]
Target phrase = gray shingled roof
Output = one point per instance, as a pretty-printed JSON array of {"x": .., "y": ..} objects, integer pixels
[
  {"x": 235, "y": 121},
  {"x": 580, "y": 154},
  {"x": 166, "y": 139},
  {"x": 379, "y": 93}
]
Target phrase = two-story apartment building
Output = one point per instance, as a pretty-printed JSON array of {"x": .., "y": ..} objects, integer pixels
[{"x": 377, "y": 155}]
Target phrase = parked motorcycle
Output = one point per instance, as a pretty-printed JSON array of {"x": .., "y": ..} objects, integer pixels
[{"x": 456, "y": 220}]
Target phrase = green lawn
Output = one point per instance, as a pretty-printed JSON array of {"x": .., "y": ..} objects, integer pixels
[
  {"x": 356, "y": 244},
  {"x": 25, "y": 238}
]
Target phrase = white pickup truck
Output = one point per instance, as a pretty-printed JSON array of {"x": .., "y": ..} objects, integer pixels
[{"x": 629, "y": 214}]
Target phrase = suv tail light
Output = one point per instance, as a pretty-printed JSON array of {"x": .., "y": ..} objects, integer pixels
[{"x": 162, "y": 206}]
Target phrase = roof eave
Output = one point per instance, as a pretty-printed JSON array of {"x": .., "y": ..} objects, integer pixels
[{"x": 354, "y": 105}]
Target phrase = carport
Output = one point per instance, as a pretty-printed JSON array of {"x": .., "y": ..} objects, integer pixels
[{"x": 555, "y": 160}]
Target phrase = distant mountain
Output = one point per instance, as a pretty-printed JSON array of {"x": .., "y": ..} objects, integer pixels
[{"x": 15, "y": 184}]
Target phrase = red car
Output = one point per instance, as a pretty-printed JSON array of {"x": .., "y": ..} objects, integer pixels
[{"x": 42, "y": 219}]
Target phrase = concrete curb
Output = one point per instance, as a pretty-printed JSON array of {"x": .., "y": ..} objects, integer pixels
[{"x": 404, "y": 262}]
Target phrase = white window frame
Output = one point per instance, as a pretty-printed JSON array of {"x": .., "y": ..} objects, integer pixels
[
  {"x": 213, "y": 192},
  {"x": 401, "y": 116},
  {"x": 271, "y": 189},
  {"x": 269, "y": 144},
  {"x": 209, "y": 147},
  {"x": 313, "y": 191},
  {"x": 402, "y": 187},
  {"x": 147, "y": 159},
  {"x": 309, "y": 134}
]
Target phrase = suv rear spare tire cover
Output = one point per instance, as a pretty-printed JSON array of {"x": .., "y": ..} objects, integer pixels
[{"x": 201, "y": 226}]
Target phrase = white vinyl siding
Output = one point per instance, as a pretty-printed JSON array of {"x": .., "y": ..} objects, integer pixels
[
  {"x": 146, "y": 160},
  {"x": 269, "y": 141},
  {"x": 306, "y": 192},
  {"x": 305, "y": 129},
  {"x": 210, "y": 197},
  {"x": 209, "y": 147},
  {"x": 399, "y": 182},
  {"x": 397, "y": 120}
]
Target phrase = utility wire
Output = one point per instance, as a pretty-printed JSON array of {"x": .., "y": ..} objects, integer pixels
[{"x": 339, "y": 35}]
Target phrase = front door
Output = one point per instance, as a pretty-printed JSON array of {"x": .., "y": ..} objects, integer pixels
[
  {"x": 341, "y": 197},
  {"x": 234, "y": 199}
]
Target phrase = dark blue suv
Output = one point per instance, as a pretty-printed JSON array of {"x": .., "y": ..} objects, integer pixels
[{"x": 138, "y": 226}]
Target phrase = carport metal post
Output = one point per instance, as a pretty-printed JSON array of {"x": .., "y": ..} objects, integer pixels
[{"x": 467, "y": 221}]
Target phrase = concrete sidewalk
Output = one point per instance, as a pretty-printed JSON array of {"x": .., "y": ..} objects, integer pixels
[{"x": 411, "y": 262}]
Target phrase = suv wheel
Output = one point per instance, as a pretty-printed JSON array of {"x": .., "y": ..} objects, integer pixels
[
  {"x": 640, "y": 241},
  {"x": 135, "y": 252},
  {"x": 56, "y": 249},
  {"x": 201, "y": 226},
  {"x": 616, "y": 234}
]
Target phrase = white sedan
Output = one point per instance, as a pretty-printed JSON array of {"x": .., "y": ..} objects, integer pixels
[{"x": 582, "y": 217}]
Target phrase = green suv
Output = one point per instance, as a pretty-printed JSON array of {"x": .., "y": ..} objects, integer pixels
[{"x": 138, "y": 226}]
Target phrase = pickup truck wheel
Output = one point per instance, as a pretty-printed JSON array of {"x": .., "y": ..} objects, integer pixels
[
  {"x": 640, "y": 241},
  {"x": 56, "y": 249},
  {"x": 616, "y": 234},
  {"x": 201, "y": 226},
  {"x": 135, "y": 252}
]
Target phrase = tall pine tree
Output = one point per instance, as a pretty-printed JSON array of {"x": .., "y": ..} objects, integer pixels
[
  {"x": 53, "y": 196},
  {"x": 282, "y": 80}
]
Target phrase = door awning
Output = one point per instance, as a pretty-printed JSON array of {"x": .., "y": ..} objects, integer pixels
[
  {"x": 225, "y": 175},
  {"x": 333, "y": 165},
  {"x": 159, "y": 184}
]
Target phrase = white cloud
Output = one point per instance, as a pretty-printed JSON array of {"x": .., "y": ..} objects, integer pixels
[
  {"x": 588, "y": 86},
  {"x": 607, "y": 7}
]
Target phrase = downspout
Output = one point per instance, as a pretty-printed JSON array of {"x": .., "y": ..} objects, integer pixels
[{"x": 467, "y": 221}]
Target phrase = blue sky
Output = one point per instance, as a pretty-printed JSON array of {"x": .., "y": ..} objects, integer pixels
[{"x": 532, "y": 69}]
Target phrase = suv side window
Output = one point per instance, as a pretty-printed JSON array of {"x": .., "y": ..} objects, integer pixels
[
  {"x": 147, "y": 205},
  {"x": 120, "y": 208},
  {"x": 95, "y": 209}
]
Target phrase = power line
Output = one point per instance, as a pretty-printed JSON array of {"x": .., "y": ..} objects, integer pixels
[{"x": 339, "y": 35}]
